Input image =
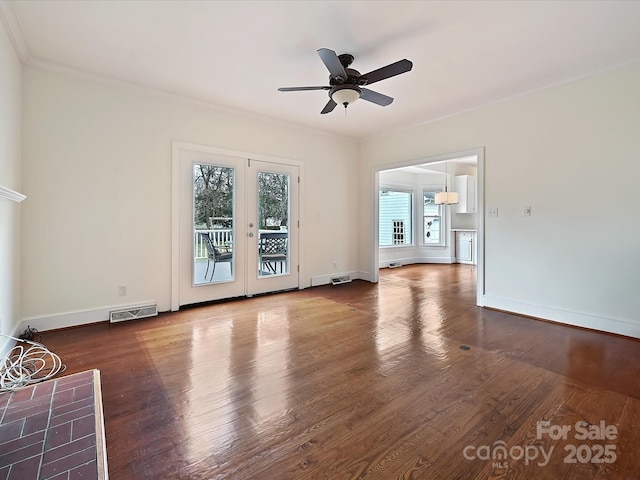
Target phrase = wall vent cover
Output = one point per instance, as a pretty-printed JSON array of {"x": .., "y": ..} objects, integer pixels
[
  {"x": 132, "y": 313},
  {"x": 340, "y": 280}
]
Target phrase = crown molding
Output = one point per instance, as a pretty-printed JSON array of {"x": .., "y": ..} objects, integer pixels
[
  {"x": 11, "y": 194},
  {"x": 14, "y": 30}
]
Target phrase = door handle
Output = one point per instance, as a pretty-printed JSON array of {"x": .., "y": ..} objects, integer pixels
[{"x": 251, "y": 234}]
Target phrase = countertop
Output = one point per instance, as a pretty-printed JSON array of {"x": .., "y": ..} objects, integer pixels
[{"x": 464, "y": 229}]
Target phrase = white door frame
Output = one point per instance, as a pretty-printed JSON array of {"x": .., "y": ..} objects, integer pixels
[
  {"x": 176, "y": 148},
  {"x": 479, "y": 153}
]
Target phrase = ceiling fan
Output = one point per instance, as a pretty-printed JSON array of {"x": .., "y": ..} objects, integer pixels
[{"x": 346, "y": 85}]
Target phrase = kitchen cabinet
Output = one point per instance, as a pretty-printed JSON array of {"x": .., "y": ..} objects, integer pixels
[
  {"x": 466, "y": 247},
  {"x": 466, "y": 188}
]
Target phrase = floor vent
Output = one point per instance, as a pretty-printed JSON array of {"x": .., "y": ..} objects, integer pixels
[
  {"x": 132, "y": 313},
  {"x": 340, "y": 280},
  {"x": 394, "y": 264}
]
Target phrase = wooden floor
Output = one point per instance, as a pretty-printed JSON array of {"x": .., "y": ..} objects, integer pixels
[{"x": 362, "y": 381}]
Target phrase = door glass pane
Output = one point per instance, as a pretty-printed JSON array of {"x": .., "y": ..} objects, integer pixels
[
  {"x": 273, "y": 224},
  {"x": 213, "y": 225}
]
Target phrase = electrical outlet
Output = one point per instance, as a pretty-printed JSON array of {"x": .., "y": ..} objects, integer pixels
[
  {"x": 492, "y": 212},
  {"x": 122, "y": 291}
]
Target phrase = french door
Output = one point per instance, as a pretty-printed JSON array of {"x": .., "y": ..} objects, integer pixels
[{"x": 236, "y": 226}]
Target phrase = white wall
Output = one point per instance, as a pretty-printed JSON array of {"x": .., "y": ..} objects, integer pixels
[
  {"x": 97, "y": 171},
  {"x": 10, "y": 176},
  {"x": 563, "y": 151}
]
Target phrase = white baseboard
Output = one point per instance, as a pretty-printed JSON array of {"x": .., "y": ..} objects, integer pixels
[
  {"x": 411, "y": 261},
  {"x": 366, "y": 276},
  {"x": 326, "y": 279},
  {"x": 73, "y": 319},
  {"x": 577, "y": 319}
]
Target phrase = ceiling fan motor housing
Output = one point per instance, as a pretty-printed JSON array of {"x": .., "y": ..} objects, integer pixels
[
  {"x": 353, "y": 78},
  {"x": 346, "y": 59}
]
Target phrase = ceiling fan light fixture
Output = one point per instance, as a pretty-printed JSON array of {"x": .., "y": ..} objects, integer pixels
[{"x": 345, "y": 94}]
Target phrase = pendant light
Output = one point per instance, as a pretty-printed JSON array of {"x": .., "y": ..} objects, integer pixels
[{"x": 446, "y": 197}]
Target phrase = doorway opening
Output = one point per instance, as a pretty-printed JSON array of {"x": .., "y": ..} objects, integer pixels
[{"x": 412, "y": 228}]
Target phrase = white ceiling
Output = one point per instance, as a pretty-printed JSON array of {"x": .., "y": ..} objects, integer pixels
[{"x": 237, "y": 53}]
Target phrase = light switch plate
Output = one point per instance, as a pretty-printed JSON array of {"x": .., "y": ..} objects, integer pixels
[{"x": 492, "y": 212}]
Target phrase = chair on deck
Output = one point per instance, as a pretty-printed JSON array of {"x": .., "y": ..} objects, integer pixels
[
  {"x": 273, "y": 250},
  {"x": 216, "y": 254}
]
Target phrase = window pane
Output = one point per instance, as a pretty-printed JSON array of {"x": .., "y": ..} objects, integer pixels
[
  {"x": 273, "y": 219},
  {"x": 432, "y": 220},
  {"x": 395, "y": 218},
  {"x": 431, "y": 230},
  {"x": 213, "y": 255}
]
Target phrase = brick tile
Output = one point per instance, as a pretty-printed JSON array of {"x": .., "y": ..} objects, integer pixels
[
  {"x": 83, "y": 391},
  {"x": 36, "y": 423},
  {"x": 4, "y": 472},
  {"x": 4, "y": 400},
  {"x": 67, "y": 463},
  {"x": 21, "y": 395},
  {"x": 70, "y": 416},
  {"x": 88, "y": 471},
  {"x": 73, "y": 381},
  {"x": 66, "y": 449},
  {"x": 58, "y": 435},
  {"x": 11, "y": 431},
  {"x": 62, "y": 397},
  {"x": 26, "y": 469},
  {"x": 70, "y": 407},
  {"x": 15, "y": 407},
  {"x": 21, "y": 453},
  {"x": 15, "y": 414},
  {"x": 21, "y": 442},
  {"x": 44, "y": 388},
  {"x": 83, "y": 426}
]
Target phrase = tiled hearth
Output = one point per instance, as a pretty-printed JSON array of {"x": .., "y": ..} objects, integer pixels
[{"x": 53, "y": 430}]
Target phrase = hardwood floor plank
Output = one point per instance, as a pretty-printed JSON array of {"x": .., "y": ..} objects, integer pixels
[{"x": 361, "y": 381}]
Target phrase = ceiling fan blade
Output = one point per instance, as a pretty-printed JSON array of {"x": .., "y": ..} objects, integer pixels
[
  {"x": 332, "y": 62},
  {"x": 329, "y": 106},
  {"x": 391, "y": 70},
  {"x": 375, "y": 97},
  {"x": 300, "y": 89}
]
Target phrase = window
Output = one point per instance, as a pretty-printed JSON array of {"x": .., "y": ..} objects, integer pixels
[
  {"x": 395, "y": 216},
  {"x": 433, "y": 219}
]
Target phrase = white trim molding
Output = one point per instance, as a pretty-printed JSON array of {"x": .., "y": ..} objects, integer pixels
[
  {"x": 11, "y": 194},
  {"x": 568, "y": 317},
  {"x": 76, "y": 318},
  {"x": 14, "y": 30}
]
